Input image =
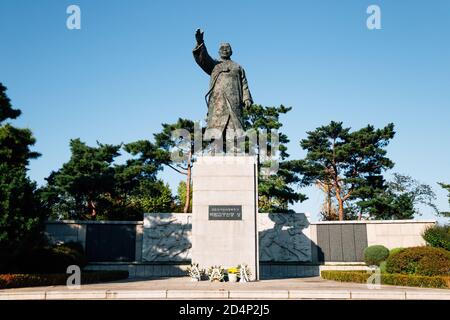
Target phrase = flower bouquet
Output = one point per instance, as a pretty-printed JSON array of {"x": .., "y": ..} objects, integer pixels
[
  {"x": 194, "y": 272},
  {"x": 233, "y": 274},
  {"x": 216, "y": 273},
  {"x": 244, "y": 273}
]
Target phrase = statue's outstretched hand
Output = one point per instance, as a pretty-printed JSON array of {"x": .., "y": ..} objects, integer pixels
[{"x": 199, "y": 36}]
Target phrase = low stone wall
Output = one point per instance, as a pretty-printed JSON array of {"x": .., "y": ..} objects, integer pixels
[
  {"x": 148, "y": 270},
  {"x": 344, "y": 241},
  {"x": 66, "y": 231},
  {"x": 289, "y": 244},
  {"x": 87, "y": 232}
]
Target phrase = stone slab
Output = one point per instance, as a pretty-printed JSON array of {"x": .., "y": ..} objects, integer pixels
[
  {"x": 136, "y": 295},
  {"x": 378, "y": 295},
  {"x": 418, "y": 295},
  {"x": 38, "y": 295},
  {"x": 76, "y": 294},
  {"x": 197, "y": 294},
  {"x": 319, "y": 294},
  {"x": 259, "y": 294}
]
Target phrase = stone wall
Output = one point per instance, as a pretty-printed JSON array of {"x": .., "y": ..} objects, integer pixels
[
  {"x": 76, "y": 231},
  {"x": 397, "y": 233},
  {"x": 390, "y": 233},
  {"x": 167, "y": 237},
  {"x": 146, "y": 270},
  {"x": 66, "y": 231},
  {"x": 284, "y": 238}
]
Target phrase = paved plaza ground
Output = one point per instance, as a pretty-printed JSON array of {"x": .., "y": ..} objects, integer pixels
[{"x": 183, "y": 288}]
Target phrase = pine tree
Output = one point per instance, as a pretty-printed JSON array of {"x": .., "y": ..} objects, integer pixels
[
  {"x": 21, "y": 213},
  {"x": 350, "y": 162},
  {"x": 446, "y": 187}
]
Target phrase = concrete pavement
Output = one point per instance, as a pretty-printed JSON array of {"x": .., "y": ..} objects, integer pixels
[{"x": 183, "y": 288}]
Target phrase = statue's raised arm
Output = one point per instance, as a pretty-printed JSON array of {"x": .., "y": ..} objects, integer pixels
[{"x": 201, "y": 55}]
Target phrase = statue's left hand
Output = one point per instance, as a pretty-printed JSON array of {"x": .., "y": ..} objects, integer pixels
[
  {"x": 247, "y": 103},
  {"x": 199, "y": 36}
]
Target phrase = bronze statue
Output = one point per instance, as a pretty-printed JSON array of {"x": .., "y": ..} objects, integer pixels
[{"x": 228, "y": 90}]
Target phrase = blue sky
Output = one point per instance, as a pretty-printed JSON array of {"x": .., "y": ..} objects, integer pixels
[{"x": 130, "y": 68}]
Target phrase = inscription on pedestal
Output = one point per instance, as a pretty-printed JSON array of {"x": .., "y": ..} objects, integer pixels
[{"x": 225, "y": 213}]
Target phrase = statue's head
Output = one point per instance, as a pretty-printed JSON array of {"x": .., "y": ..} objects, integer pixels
[{"x": 225, "y": 51}]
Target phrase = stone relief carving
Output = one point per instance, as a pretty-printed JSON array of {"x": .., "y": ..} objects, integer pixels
[
  {"x": 166, "y": 237},
  {"x": 284, "y": 237}
]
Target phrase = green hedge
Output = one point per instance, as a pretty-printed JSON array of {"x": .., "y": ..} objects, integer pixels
[
  {"x": 389, "y": 279},
  {"x": 438, "y": 236},
  {"x": 37, "y": 280},
  {"x": 49, "y": 259},
  {"x": 424, "y": 261},
  {"x": 395, "y": 251},
  {"x": 415, "y": 281}
]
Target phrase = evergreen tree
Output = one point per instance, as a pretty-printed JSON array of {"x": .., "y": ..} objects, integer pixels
[
  {"x": 21, "y": 214},
  {"x": 139, "y": 183},
  {"x": 351, "y": 163},
  {"x": 446, "y": 187},
  {"x": 6, "y": 109},
  {"x": 398, "y": 200},
  {"x": 79, "y": 185},
  {"x": 181, "y": 197},
  {"x": 276, "y": 191},
  {"x": 92, "y": 186},
  {"x": 179, "y": 138}
]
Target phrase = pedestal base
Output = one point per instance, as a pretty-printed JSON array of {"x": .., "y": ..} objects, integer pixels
[{"x": 225, "y": 207}]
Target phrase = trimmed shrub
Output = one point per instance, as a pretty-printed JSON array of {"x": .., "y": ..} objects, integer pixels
[
  {"x": 414, "y": 281},
  {"x": 36, "y": 280},
  {"x": 425, "y": 261},
  {"x": 395, "y": 251},
  {"x": 383, "y": 267},
  {"x": 388, "y": 279},
  {"x": 345, "y": 276},
  {"x": 51, "y": 259},
  {"x": 74, "y": 253},
  {"x": 374, "y": 255},
  {"x": 438, "y": 236}
]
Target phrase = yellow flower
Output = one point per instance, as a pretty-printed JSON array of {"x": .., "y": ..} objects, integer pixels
[{"x": 233, "y": 270}]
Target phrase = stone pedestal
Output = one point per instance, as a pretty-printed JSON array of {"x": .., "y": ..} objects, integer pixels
[{"x": 225, "y": 207}]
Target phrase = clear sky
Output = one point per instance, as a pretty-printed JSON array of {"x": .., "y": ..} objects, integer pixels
[{"x": 130, "y": 68}]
